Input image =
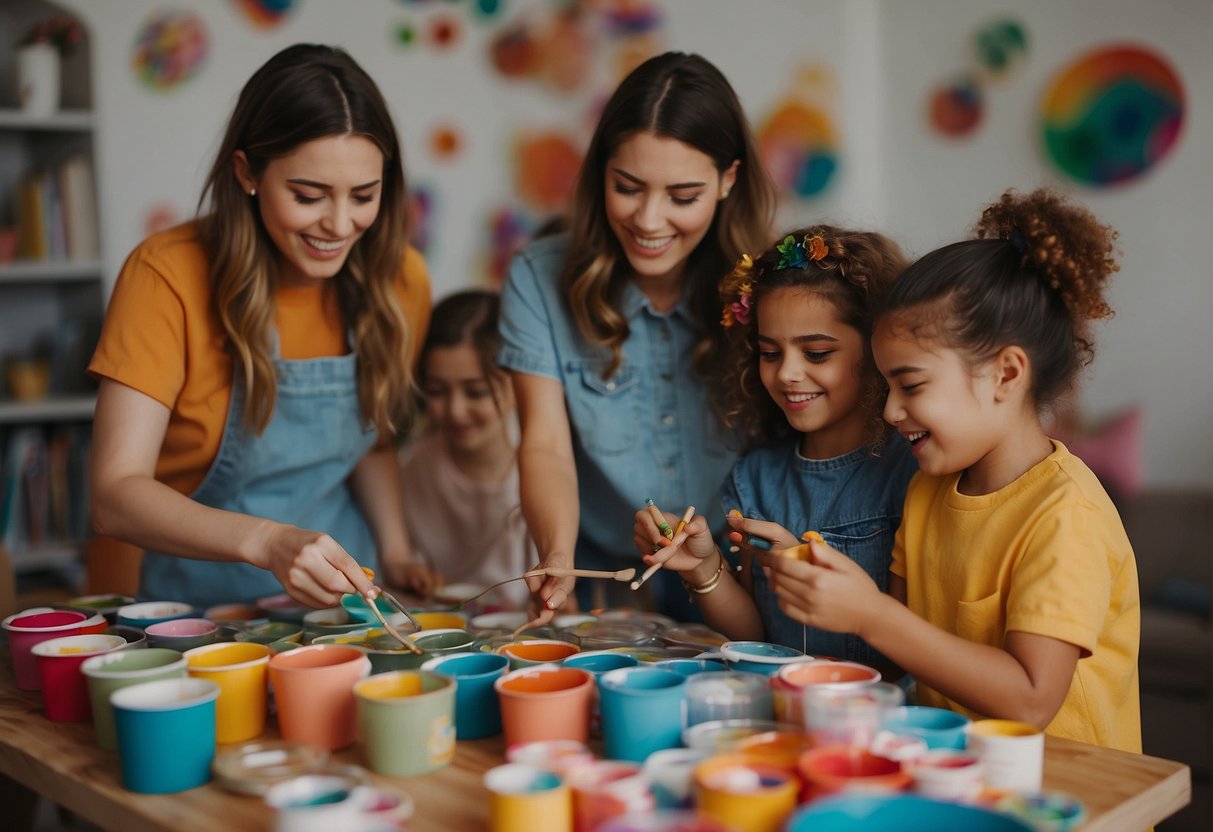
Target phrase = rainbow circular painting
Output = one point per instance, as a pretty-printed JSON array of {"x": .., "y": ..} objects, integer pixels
[{"x": 1112, "y": 115}]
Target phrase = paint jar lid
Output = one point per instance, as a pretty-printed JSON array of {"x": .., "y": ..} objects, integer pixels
[{"x": 254, "y": 767}]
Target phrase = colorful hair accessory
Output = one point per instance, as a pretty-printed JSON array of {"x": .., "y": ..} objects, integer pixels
[
  {"x": 738, "y": 281},
  {"x": 817, "y": 247},
  {"x": 796, "y": 254}
]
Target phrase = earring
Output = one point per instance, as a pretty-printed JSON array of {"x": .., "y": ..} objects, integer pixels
[
  {"x": 724, "y": 195},
  {"x": 252, "y": 191}
]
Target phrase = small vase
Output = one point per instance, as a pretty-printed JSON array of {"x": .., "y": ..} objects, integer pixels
[{"x": 38, "y": 79}]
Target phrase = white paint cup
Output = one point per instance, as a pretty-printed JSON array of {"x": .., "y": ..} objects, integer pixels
[{"x": 1012, "y": 753}]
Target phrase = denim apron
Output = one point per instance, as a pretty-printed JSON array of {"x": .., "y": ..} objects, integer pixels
[{"x": 295, "y": 472}]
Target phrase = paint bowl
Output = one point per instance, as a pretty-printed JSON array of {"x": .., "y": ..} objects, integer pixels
[
  {"x": 537, "y": 651},
  {"x": 759, "y": 656},
  {"x": 359, "y": 610},
  {"x": 440, "y": 620},
  {"x": 699, "y": 636},
  {"x": 105, "y": 604},
  {"x": 135, "y": 638},
  {"x": 721, "y": 735},
  {"x": 254, "y": 768},
  {"x": 386, "y": 654},
  {"x": 147, "y": 613},
  {"x": 603, "y": 634},
  {"x": 329, "y": 622},
  {"x": 444, "y": 641},
  {"x": 650, "y": 653},
  {"x": 270, "y": 632},
  {"x": 859, "y": 813},
  {"x": 283, "y": 607},
  {"x": 654, "y": 621},
  {"x": 33, "y": 626},
  {"x": 182, "y": 634}
]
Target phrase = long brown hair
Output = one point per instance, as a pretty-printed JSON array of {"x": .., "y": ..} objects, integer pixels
[
  {"x": 303, "y": 93},
  {"x": 683, "y": 97}
]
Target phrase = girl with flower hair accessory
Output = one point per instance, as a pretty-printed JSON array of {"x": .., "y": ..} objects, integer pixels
[
  {"x": 1014, "y": 591},
  {"x": 607, "y": 330},
  {"x": 800, "y": 385}
]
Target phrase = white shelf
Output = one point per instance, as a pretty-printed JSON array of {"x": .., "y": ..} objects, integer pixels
[
  {"x": 51, "y": 409},
  {"x": 71, "y": 121},
  {"x": 50, "y": 271}
]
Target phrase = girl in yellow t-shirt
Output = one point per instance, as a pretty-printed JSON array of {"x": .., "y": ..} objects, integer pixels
[{"x": 1017, "y": 584}]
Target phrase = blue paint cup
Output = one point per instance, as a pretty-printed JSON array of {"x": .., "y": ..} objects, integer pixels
[
  {"x": 689, "y": 667},
  {"x": 641, "y": 711},
  {"x": 759, "y": 656},
  {"x": 598, "y": 662},
  {"x": 859, "y": 812},
  {"x": 937, "y": 727},
  {"x": 166, "y": 734},
  {"x": 477, "y": 710}
]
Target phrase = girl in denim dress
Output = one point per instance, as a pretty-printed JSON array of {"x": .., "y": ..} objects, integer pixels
[{"x": 802, "y": 388}]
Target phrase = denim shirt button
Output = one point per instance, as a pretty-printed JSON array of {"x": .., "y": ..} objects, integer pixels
[
  {"x": 668, "y": 419},
  {"x": 610, "y": 385}
]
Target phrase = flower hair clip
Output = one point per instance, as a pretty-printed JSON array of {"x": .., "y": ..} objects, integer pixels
[
  {"x": 796, "y": 254},
  {"x": 739, "y": 281}
]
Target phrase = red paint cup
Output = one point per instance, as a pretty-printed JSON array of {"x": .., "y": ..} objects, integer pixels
[
  {"x": 25, "y": 629},
  {"x": 64, "y": 686},
  {"x": 841, "y": 769}
]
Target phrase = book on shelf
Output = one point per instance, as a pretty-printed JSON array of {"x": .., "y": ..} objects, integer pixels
[
  {"x": 57, "y": 213},
  {"x": 44, "y": 486}
]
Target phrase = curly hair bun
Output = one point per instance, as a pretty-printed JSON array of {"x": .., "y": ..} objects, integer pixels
[{"x": 1061, "y": 241}]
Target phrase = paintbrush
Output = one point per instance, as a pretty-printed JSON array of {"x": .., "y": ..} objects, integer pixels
[
  {"x": 556, "y": 572},
  {"x": 682, "y": 524}
]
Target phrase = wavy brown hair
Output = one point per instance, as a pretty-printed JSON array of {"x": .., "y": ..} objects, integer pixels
[
  {"x": 308, "y": 92},
  {"x": 1035, "y": 277},
  {"x": 853, "y": 276},
  {"x": 683, "y": 97}
]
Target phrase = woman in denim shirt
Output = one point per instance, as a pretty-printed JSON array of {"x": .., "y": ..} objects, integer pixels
[
  {"x": 802, "y": 385},
  {"x": 607, "y": 329}
]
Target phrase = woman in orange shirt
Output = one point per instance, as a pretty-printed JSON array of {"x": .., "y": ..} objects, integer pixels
[{"x": 256, "y": 363}]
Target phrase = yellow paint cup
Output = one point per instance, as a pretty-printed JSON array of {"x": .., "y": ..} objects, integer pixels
[
  {"x": 525, "y": 798},
  {"x": 743, "y": 794},
  {"x": 441, "y": 620},
  {"x": 239, "y": 668}
]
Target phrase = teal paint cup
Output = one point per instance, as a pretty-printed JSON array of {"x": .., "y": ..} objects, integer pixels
[
  {"x": 122, "y": 669},
  {"x": 477, "y": 710},
  {"x": 166, "y": 734},
  {"x": 641, "y": 711}
]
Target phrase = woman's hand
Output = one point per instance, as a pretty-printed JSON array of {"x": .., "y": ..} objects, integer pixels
[
  {"x": 689, "y": 549},
  {"x": 312, "y": 567},
  {"x": 550, "y": 594},
  {"x": 830, "y": 591}
]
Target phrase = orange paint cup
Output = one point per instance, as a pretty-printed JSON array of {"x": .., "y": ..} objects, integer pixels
[
  {"x": 843, "y": 769},
  {"x": 545, "y": 702},
  {"x": 314, "y": 692},
  {"x": 238, "y": 668},
  {"x": 537, "y": 651},
  {"x": 789, "y": 683}
]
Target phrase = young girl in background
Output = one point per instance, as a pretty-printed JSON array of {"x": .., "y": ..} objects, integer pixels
[
  {"x": 1018, "y": 583},
  {"x": 461, "y": 503},
  {"x": 801, "y": 385}
]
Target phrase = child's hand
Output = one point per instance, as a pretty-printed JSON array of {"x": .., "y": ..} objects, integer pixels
[
  {"x": 695, "y": 542},
  {"x": 764, "y": 530},
  {"x": 830, "y": 591}
]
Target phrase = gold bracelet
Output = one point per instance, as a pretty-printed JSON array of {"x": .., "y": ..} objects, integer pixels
[{"x": 708, "y": 585}]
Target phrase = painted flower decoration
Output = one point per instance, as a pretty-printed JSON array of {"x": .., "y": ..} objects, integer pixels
[
  {"x": 742, "y": 308},
  {"x": 791, "y": 254},
  {"x": 738, "y": 281},
  {"x": 816, "y": 246}
]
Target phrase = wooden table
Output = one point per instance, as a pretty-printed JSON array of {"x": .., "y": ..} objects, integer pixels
[{"x": 1122, "y": 792}]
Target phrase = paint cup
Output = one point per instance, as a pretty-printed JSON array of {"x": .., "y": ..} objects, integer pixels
[
  {"x": 407, "y": 721},
  {"x": 599, "y": 662},
  {"x": 64, "y": 687},
  {"x": 477, "y": 711},
  {"x": 106, "y": 604},
  {"x": 641, "y": 711},
  {"x": 443, "y": 642},
  {"x": 1011, "y": 753},
  {"x": 144, "y": 614},
  {"x": 537, "y": 651},
  {"x": 727, "y": 694},
  {"x": 384, "y": 651},
  {"x": 690, "y": 667},
  {"x": 669, "y": 773},
  {"x": 560, "y": 756},
  {"x": 724, "y": 735},
  {"x": 848, "y": 715},
  {"x": 781, "y": 749},
  {"x": 314, "y": 692},
  {"x": 759, "y": 656},
  {"x": 432, "y": 620},
  {"x": 135, "y": 638},
  {"x": 238, "y": 668},
  {"x": 318, "y": 802},
  {"x": 937, "y": 727},
  {"x": 523, "y": 798},
  {"x": 946, "y": 774},
  {"x": 119, "y": 669},
  {"x": 853, "y": 813},
  {"x": 842, "y": 769},
  {"x": 182, "y": 634},
  {"x": 743, "y": 795},
  {"x": 330, "y": 622},
  {"x": 29, "y": 627},
  {"x": 606, "y": 789},
  {"x": 603, "y": 635},
  {"x": 166, "y": 734},
  {"x": 790, "y": 680},
  {"x": 663, "y": 820},
  {"x": 1043, "y": 811},
  {"x": 545, "y": 702}
]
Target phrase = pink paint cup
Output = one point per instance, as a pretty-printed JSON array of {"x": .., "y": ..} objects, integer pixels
[
  {"x": 64, "y": 687},
  {"x": 32, "y": 626}
]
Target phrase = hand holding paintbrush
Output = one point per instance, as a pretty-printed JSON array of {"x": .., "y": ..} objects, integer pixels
[{"x": 664, "y": 528}]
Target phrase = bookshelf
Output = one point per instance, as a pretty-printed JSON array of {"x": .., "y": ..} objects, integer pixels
[{"x": 52, "y": 297}]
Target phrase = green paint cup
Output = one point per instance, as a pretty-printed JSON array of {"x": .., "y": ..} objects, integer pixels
[
  {"x": 406, "y": 720},
  {"x": 112, "y": 671}
]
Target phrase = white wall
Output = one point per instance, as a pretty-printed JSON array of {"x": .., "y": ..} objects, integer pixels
[{"x": 896, "y": 175}]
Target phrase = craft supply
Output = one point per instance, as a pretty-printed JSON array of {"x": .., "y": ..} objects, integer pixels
[
  {"x": 682, "y": 524},
  {"x": 554, "y": 572},
  {"x": 523, "y": 798},
  {"x": 399, "y": 607},
  {"x": 1012, "y": 753},
  {"x": 659, "y": 519},
  {"x": 255, "y": 767}
]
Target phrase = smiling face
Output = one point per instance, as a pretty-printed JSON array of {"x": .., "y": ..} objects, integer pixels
[
  {"x": 661, "y": 196},
  {"x": 467, "y": 407},
  {"x": 944, "y": 407},
  {"x": 316, "y": 202},
  {"x": 811, "y": 364}
]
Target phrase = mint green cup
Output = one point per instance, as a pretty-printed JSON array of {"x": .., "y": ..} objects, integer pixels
[
  {"x": 109, "y": 672},
  {"x": 406, "y": 721}
]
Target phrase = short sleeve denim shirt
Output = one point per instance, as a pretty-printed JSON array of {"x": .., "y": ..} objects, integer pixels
[
  {"x": 645, "y": 432},
  {"x": 854, "y": 501}
]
